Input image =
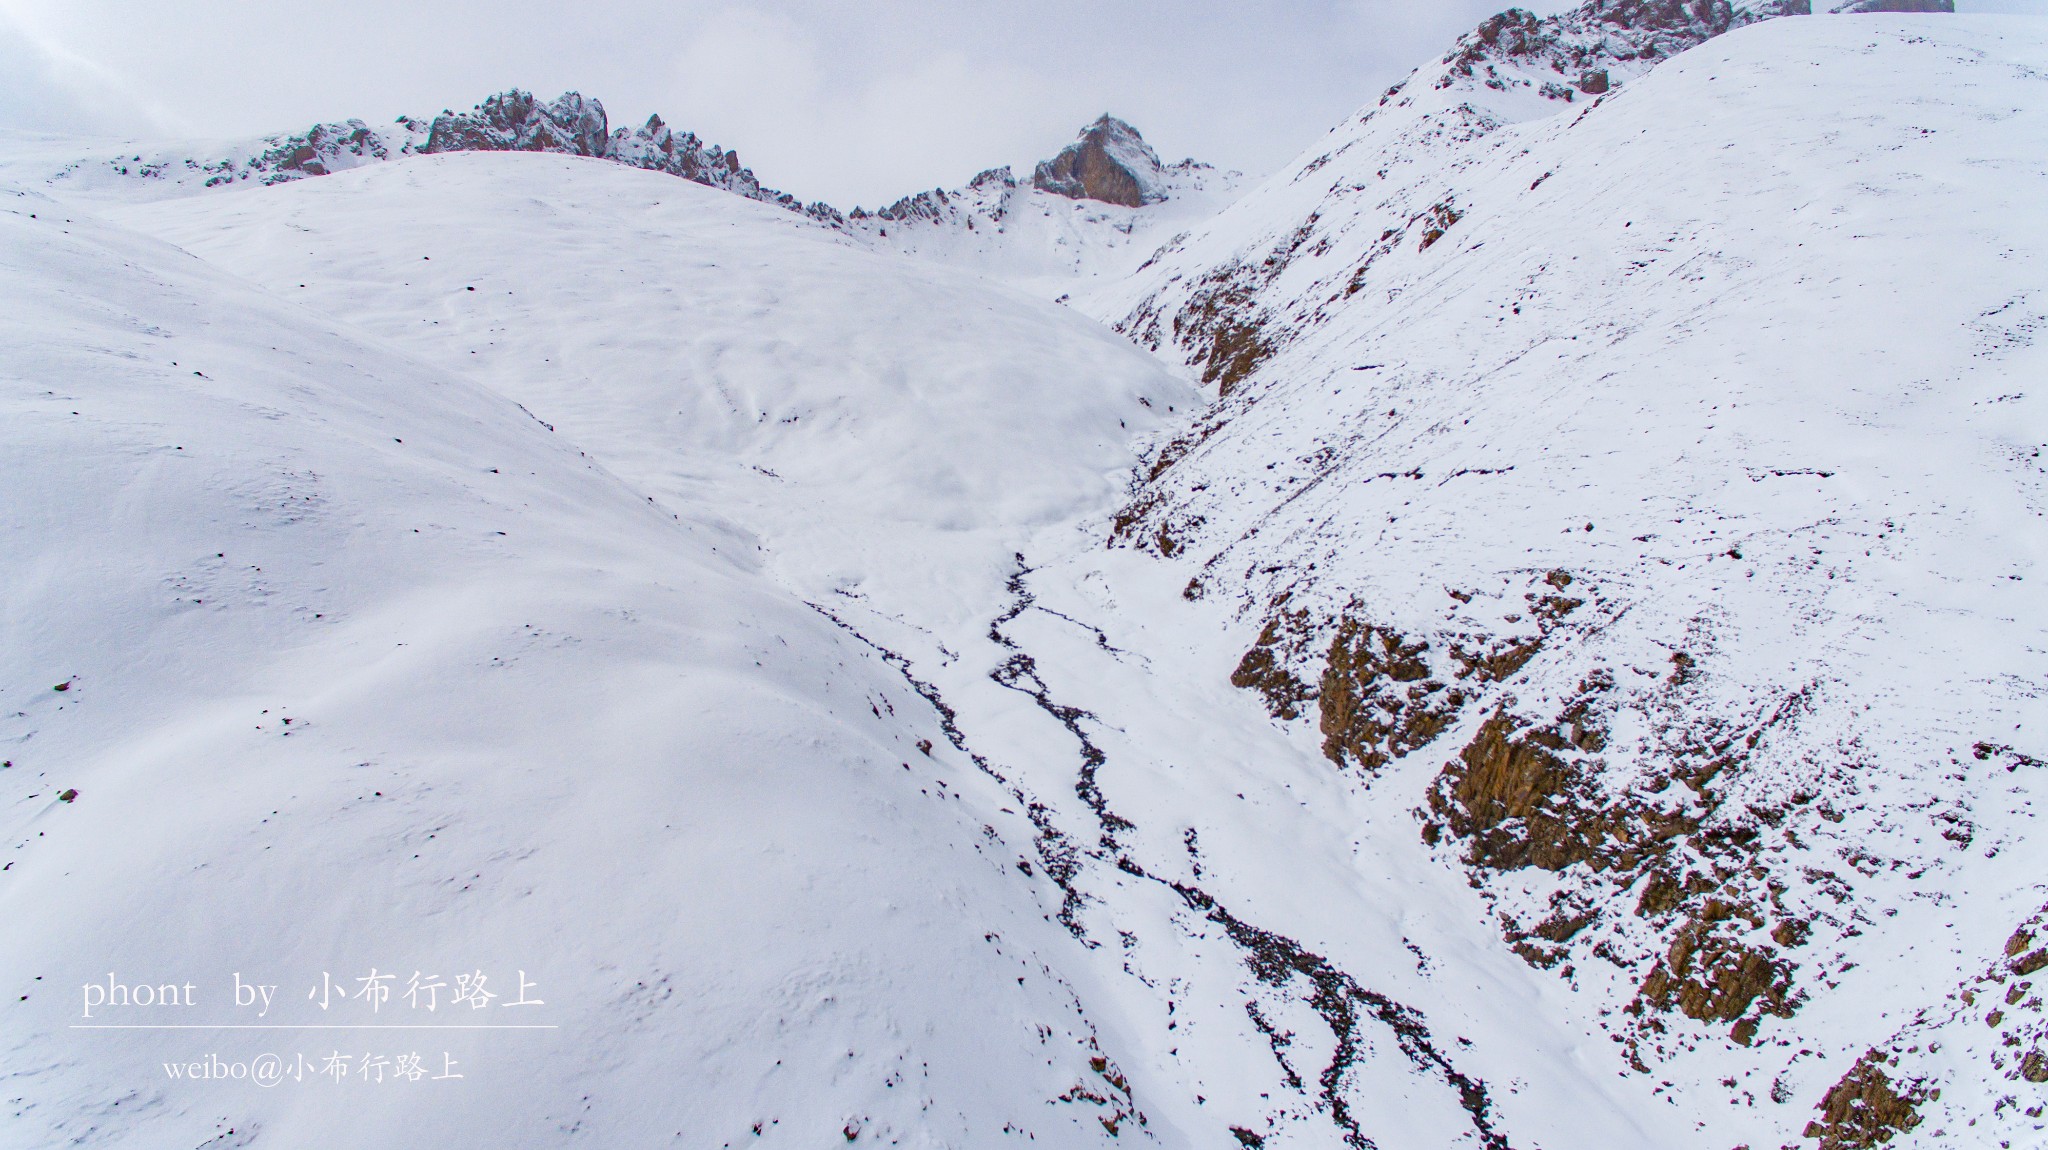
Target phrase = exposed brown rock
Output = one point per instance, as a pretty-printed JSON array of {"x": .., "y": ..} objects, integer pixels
[
  {"x": 515, "y": 121},
  {"x": 1709, "y": 974},
  {"x": 1127, "y": 518},
  {"x": 1224, "y": 328},
  {"x": 1545, "y": 944},
  {"x": 1492, "y": 664},
  {"x": 1110, "y": 162},
  {"x": 1518, "y": 803},
  {"x": 1525, "y": 793},
  {"x": 1790, "y": 933},
  {"x": 1436, "y": 221},
  {"x": 1377, "y": 699},
  {"x": 1264, "y": 668},
  {"x": 1588, "y": 37},
  {"x": 1661, "y": 895},
  {"x": 1866, "y": 1109},
  {"x": 1528, "y": 792},
  {"x": 1388, "y": 241}
]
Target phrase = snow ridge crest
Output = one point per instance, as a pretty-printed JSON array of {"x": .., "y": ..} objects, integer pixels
[{"x": 1599, "y": 43}]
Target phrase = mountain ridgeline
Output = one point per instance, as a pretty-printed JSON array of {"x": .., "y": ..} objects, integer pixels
[
  {"x": 1110, "y": 162},
  {"x": 511, "y": 121}
]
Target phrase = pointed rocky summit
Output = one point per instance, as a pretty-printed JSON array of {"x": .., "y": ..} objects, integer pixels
[{"x": 1110, "y": 162}]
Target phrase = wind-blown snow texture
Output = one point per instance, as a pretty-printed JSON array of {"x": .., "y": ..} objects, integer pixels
[{"x": 1569, "y": 680}]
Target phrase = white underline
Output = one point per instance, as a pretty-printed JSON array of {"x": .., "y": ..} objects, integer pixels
[{"x": 312, "y": 1026}]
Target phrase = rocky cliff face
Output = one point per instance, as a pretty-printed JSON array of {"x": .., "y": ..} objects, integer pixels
[
  {"x": 323, "y": 149},
  {"x": 1110, "y": 162}
]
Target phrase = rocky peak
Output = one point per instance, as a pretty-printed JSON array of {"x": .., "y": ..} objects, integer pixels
[
  {"x": 1109, "y": 162},
  {"x": 515, "y": 121}
]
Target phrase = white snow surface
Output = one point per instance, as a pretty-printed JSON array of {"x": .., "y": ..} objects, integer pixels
[
  {"x": 368, "y": 667},
  {"x": 1765, "y": 319}
]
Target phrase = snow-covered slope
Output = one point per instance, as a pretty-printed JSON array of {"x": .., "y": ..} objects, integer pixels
[
  {"x": 1643, "y": 504},
  {"x": 322, "y": 661},
  {"x": 853, "y": 409},
  {"x": 898, "y": 437}
]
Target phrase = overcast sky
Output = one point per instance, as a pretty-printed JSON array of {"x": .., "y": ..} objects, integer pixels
[{"x": 828, "y": 99}]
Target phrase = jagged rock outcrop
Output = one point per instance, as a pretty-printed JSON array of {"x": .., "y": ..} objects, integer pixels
[
  {"x": 323, "y": 149},
  {"x": 938, "y": 205},
  {"x": 515, "y": 121},
  {"x": 1109, "y": 165},
  {"x": 1050, "y": 223},
  {"x": 1855, "y": 6},
  {"x": 1110, "y": 162}
]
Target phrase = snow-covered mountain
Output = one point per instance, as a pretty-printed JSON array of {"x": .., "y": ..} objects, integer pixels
[
  {"x": 1642, "y": 499},
  {"x": 1539, "y": 655}
]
